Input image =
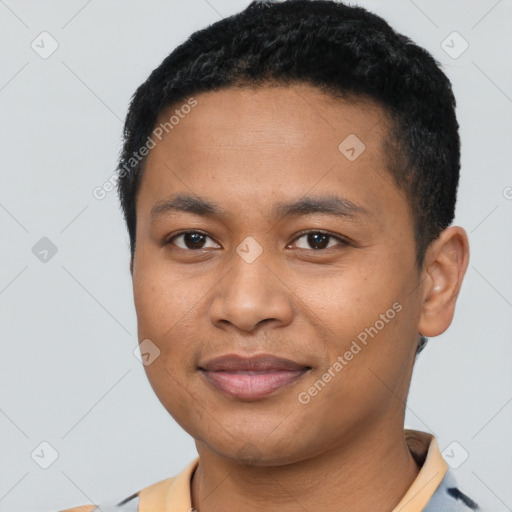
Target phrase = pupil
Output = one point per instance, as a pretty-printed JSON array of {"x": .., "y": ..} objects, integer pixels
[
  {"x": 195, "y": 238},
  {"x": 313, "y": 242},
  {"x": 314, "y": 239}
]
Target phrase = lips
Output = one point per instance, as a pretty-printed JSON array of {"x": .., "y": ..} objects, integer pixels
[
  {"x": 251, "y": 378},
  {"x": 262, "y": 362}
]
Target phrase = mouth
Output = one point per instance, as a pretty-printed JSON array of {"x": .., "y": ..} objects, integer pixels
[{"x": 251, "y": 378}]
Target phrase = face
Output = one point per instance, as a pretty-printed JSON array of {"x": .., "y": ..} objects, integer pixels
[{"x": 293, "y": 242}]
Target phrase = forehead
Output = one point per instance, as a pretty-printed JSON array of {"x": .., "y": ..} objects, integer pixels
[
  {"x": 274, "y": 142},
  {"x": 275, "y": 114}
]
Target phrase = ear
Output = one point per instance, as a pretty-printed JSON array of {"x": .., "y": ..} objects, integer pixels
[{"x": 446, "y": 261}]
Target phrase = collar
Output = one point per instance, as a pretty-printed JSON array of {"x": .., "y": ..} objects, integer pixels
[{"x": 174, "y": 494}]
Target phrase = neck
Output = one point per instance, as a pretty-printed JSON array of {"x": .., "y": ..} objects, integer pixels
[{"x": 338, "y": 478}]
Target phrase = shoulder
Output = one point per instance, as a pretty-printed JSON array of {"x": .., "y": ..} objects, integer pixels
[
  {"x": 448, "y": 497},
  {"x": 82, "y": 508},
  {"x": 127, "y": 504},
  {"x": 130, "y": 504}
]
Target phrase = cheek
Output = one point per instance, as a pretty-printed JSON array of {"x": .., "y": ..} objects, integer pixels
[
  {"x": 348, "y": 298},
  {"x": 160, "y": 299},
  {"x": 170, "y": 313},
  {"x": 153, "y": 304},
  {"x": 364, "y": 313},
  {"x": 165, "y": 315}
]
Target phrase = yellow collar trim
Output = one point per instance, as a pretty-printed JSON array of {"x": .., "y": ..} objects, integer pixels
[{"x": 174, "y": 494}]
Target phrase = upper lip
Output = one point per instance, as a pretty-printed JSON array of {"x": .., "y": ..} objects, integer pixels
[{"x": 260, "y": 362}]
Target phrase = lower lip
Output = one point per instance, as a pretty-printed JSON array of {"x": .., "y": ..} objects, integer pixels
[{"x": 252, "y": 385}]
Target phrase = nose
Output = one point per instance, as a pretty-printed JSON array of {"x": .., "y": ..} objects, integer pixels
[{"x": 251, "y": 294}]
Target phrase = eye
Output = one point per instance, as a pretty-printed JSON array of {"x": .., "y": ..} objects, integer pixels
[
  {"x": 192, "y": 240},
  {"x": 319, "y": 240}
]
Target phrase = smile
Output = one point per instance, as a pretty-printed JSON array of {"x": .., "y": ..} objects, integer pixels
[{"x": 250, "y": 384}]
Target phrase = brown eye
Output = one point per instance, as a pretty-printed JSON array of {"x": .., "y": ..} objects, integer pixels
[
  {"x": 192, "y": 240},
  {"x": 318, "y": 240}
]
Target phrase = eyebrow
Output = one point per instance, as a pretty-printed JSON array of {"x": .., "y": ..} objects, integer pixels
[{"x": 327, "y": 204}]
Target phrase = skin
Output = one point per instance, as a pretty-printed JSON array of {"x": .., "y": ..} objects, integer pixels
[{"x": 247, "y": 150}]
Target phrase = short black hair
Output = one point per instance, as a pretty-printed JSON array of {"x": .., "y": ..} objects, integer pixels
[{"x": 345, "y": 51}]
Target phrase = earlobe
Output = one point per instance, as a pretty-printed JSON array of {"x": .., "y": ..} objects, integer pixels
[{"x": 445, "y": 265}]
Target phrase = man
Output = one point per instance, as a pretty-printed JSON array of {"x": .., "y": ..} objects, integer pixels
[{"x": 288, "y": 179}]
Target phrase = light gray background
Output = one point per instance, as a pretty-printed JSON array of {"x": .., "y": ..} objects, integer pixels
[{"x": 68, "y": 326}]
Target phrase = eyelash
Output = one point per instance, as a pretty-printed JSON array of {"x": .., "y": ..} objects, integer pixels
[{"x": 343, "y": 242}]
